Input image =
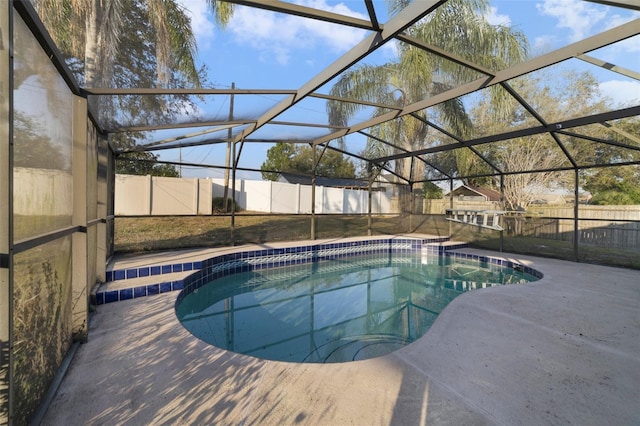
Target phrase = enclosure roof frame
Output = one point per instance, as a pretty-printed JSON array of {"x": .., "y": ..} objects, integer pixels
[{"x": 380, "y": 34}]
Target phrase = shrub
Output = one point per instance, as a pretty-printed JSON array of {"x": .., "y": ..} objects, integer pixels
[{"x": 218, "y": 205}]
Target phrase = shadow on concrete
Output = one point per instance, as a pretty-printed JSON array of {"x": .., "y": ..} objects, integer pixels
[{"x": 560, "y": 350}]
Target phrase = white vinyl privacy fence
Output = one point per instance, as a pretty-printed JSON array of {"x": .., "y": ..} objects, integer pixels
[
  {"x": 278, "y": 197},
  {"x": 147, "y": 195},
  {"x": 151, "y": 195}
]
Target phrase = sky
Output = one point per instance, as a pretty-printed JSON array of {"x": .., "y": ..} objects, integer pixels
[{"x": 261, "y": 49}]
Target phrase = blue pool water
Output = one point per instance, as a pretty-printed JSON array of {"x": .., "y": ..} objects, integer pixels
[{"x": 334, "y": 311}]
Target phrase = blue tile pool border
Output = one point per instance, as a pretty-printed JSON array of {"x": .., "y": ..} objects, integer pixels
[{"x": 230, "y": 263}]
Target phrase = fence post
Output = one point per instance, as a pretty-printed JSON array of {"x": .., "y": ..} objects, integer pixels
[
  {"x": 149, "y": 195},
  {"x": 196, "y": 196}
]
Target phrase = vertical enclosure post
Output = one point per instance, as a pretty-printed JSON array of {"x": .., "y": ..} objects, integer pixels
[
  {"x": 228, "y": 156},
  {"x": 80, "y": 277},
  {"x": 503, "y": 208},
  {"x": 110, "y": 198},
  {"x": 369, "y": 231},
  {"x": 102, "y": 209},
  {"x": 411, "y": 170},
  {"x": 410, "y": 207},
  {"x": 233, "y": 194},
  {"x": 576, "y": 222},
  {"x": 313, "y": 195},
  {"x": 450, "y": 204},
  {"x": 6, "y": 215}
]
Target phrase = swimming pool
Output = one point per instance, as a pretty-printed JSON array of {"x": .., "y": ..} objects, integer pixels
[{"x": 334, "y": 308}]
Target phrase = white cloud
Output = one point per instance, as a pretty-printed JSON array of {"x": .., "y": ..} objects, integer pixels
[
  {"x": 578, "y": 16},
  {"x": 617, "y": 20},
  {"x": 543, "y": 44},
  {"x": 621, "y": 92},
  {"x": 276, "y": 35},
  {"x": 202, "y": 22},
  {"x": 583, "y": 19},
  {"x": 629, "y": 45},
  {"x": 494, "y": 18}
]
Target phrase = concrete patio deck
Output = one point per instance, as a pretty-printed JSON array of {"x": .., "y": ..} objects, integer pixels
[{"x": 562, "y": 350}]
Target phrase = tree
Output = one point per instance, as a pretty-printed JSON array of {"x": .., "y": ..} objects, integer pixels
[
  {"x": 143, "y": 163},
  {"x": 130, "y": 43},
  {"x": 614, "y": 186},
  {"x": 34, "y": 148},
  {"x": 278, "y": 160},
  {"x": 92, "y": 31},
  {"x": 431, "y": 190},
  {"x": 552, "y": 96},
  {"x": 457, "y": 26},
  {"x": 617, "y": 185},
  {"x": 286, "y": 157}
]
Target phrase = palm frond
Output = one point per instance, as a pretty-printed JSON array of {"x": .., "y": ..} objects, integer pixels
[
  {"x": 366, "y": 83},
  {"x": 176, "y": 47},
  {"x": 222, "y": 11}
]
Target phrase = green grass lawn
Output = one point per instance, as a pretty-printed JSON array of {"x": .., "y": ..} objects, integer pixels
[
  {"x": 161, "y": 233},
  {"x": 158, "y": 233}
]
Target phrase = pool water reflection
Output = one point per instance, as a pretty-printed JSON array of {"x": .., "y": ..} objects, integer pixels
[{"x": 334, "y": 311}]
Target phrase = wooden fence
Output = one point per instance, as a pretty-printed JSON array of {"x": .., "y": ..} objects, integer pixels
[{"x": 602, "y": 233}]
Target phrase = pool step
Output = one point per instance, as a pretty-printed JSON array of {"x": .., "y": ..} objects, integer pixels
[
  {"x": 441, "y": 247},
  {"x": 130, "y": 281},
  {"x": 117, "y": 290}
]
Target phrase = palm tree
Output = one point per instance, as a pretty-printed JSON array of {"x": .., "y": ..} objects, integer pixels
[
  {"x": 130, "y": 43},
  {"x": 458, "y": 27},
  {"x": 91, "y": 31}
]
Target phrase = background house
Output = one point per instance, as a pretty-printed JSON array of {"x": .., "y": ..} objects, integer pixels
[{"x": 473, "y": 193}]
